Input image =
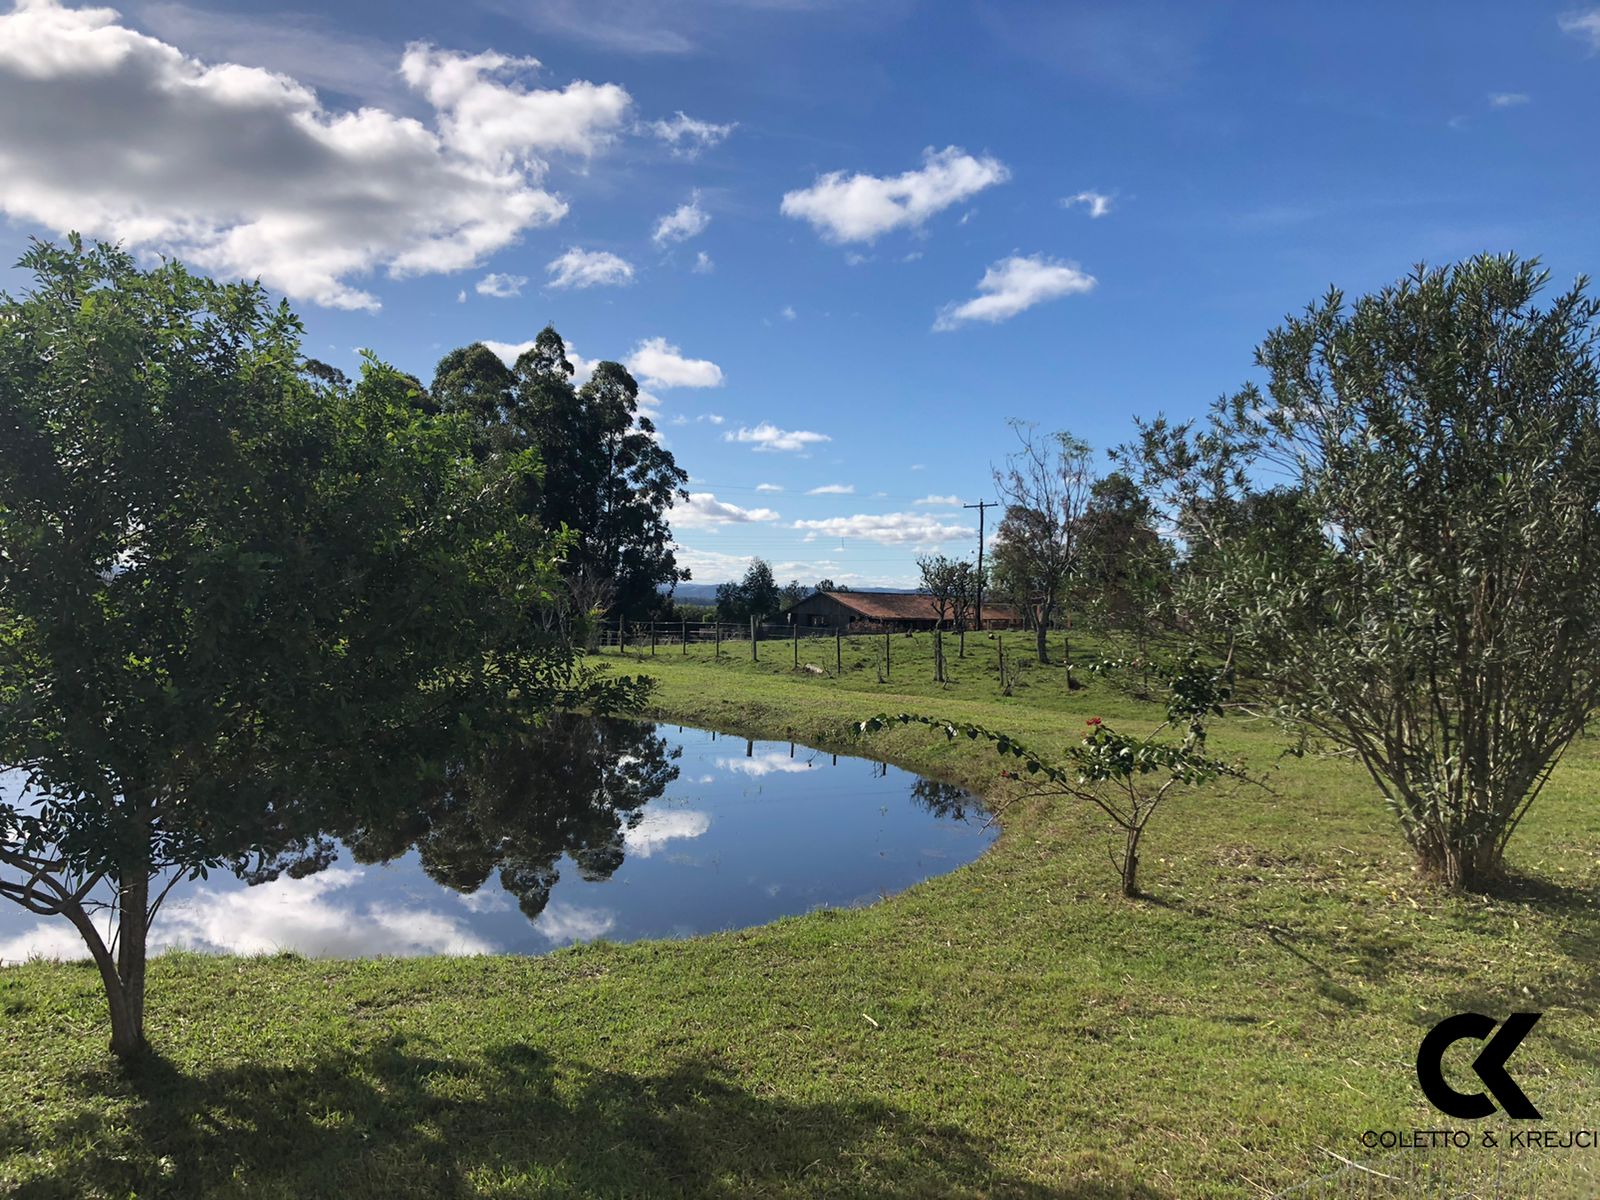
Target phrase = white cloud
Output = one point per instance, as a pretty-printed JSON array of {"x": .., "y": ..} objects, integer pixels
[
  {"x": 1508, "y": 99},
  {"x": 860, "y": 208},
  {"x": 243, "y": 172},
  {"x": 768, "y": 762},
  {"x": 658, "y": 826},
  {"x": 703, "y": 264},
  {"x": 561, "y": 922},
  {"x": 702, "y": 510},
  {"x": 1014, "y": 284},
  {"x": 710, "y": 565},
  {"x": 582, "y": 367},
  {"x": 788, "y": 313},
  {"x": 682, "y": 223},
  {"x": 767, "y": 436},
  {"x": 1585, "y": 24},
  {"x": 833, "y": 489},
  {"x": 1098, "y": 203},
  {"x": 589, "y": 268},
  {"x": 502, "y": 287},
  {"x": 889, "y": 529},
  {"x": 941, "y": 501},
  {"x": 711, "y": 418},
  {"x": 660, "y": 364},
  {"x": 768, "y": 487},
  {"x": 688, "y": 136}
]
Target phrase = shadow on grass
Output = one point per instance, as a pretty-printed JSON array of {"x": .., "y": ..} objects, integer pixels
[{"x": 397, "y": 1120}]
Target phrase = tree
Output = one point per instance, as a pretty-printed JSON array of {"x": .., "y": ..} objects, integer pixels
[
  {"x": 1046, "y": 486},
  {"x": 939, "y": 581},
  {"x": 237, "y": 601},
  {"x": 1127, "y": 566},
  {"x": 1429, "y": 597},
  {"x": 756, "y": 595},
  {"x": 792, "y": 593},
  {"x": 606, "y": 475},
  {"x": 968, "y": 585}
]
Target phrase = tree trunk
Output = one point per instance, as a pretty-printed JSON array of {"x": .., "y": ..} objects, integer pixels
[
  {"x": 133, "y": 927},
  {"x": 1461, "y": 868},
  {"x": 1130, "y": 864},
  {"x": 1041, "y": 634}
]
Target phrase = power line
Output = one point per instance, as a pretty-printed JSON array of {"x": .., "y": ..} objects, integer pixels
[{"x": 982, "y": 506}]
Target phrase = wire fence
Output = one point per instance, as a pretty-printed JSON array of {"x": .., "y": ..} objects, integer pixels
[{"x": 835, "y": 650}]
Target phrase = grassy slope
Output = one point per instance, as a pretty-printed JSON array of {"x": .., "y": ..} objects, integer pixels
[{"x": 1031, "y": 1034}]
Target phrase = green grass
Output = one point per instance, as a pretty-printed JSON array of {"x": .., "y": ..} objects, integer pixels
[{"x": 1031, "y": 1034}]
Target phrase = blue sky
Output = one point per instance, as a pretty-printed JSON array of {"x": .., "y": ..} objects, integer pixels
[{"x": 872, "y": 255}]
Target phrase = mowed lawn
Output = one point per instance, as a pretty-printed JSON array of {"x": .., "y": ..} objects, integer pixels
[{"x": 1014, "y": 1028}]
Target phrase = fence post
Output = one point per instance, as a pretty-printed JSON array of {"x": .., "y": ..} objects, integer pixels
[
  {"x": 686, "y": 638},
  {"x": 622, "y": 637},
  {"x": 652, "y": 639},
  {"x": 716, "y": 645},
  {"x": 754, "y": 657},
  {"x": 794, "y": 636},
  {"x": 886, "y": 654},
  {"x": 938, "y": 657},
  {"x": 838, "y": 653}
]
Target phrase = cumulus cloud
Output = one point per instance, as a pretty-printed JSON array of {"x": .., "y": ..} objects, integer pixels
[
  {"x": 660, "y": 364},
  {"x": 589, "y": 268},
  {"x": 940, "y": 501},
  {"x": 711, "y": 418},
  {"x": 682, "y": 223},
  {"x": 889, "y": 529},
  {"x": 242, "y": 171},
  {"x": 687, "y": 136},
  {"x": 561, "y": 922},
  {"x": 833, "y": 489},
  {"x": 767, "y": 436},
  {"x": 703, "y": 509},
  {"x": 710, "y": 565},
  {"x": 659, "y": 826},
  {"x": 1098, "y": 204},
  {"x": 1014, "y": 284},
  {"x": 502, "y": 287},
  {"x": 768, "y": 762},
  {"x": 860, "y": 208},
  {"x": 1583, "y": 24}
]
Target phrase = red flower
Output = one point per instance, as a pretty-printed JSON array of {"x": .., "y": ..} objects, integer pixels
[{"x": 1093, "y": 721}]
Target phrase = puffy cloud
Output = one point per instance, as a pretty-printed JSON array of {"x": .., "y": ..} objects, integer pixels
[
  {"x": 242, "y": 171},
  {"x": 1014, "y": 284},
  {"x": 833, "y": 489},
  {"x": 767, "y": 436},
  {"x": 589, "y": 268},
  {"x": 703, "y": 264},
  {"x": 687, "y": 136},
  {"x": 682, "y": 223},
  {"x": 768, "y": 762},
  {"x": 860, "y": 208},
  {"x": 940, "y": 501},
  {"x": 711, "y": 418},
  {"x": 561, "y": 922},
  {"x": 703, "y": 509},
  {"x": 1584, "y": 24},
  {"x": 768, "y": 487},
  {"x": 660, "y": 364},
  {"x": 710, "y": 565},
  {"x": 1098, "y": 203},
  {"x": 502, "y": 287},
  {"x": 658, "y": 826},
  {"x": 889, "y": 529}
]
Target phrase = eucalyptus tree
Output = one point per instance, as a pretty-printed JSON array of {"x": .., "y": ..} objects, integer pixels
[
  {"x": 1425, "y": 589},
  {"x": 241, "y": 600}
]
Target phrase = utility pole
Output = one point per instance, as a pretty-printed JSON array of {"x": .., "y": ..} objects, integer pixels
[{"x": 981, "y": 506}]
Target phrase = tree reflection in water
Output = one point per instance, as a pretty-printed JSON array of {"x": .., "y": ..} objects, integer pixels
[
  {"x": 575, "y": 787},
  {"x": 941, "y": 799}
]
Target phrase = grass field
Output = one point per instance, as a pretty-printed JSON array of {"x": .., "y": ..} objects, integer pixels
[{"x": 1011, "y": 1029}]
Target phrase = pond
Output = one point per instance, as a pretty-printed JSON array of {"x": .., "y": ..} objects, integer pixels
[{"x": 607, "y": 828}]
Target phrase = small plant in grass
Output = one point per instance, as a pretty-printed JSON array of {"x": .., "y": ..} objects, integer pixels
[{"x": 1128, "y": 778}]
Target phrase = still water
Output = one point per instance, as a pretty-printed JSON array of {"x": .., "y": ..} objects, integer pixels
[{"x": 613, "y": 829}]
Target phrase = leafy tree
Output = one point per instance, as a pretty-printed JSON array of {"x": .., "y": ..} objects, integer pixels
[
  {"x": 791, "y": 594},
  {"x": 756, "y": 595},
  {"x": 237, "y": 601},
  {"x": 1127, "y": 565},
  {"x": 1428, "y": 596},
  {"x": 606, "y": 475},
  {"x": 1038, "y": 549},
  {"x": 939, "y": 581}
]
